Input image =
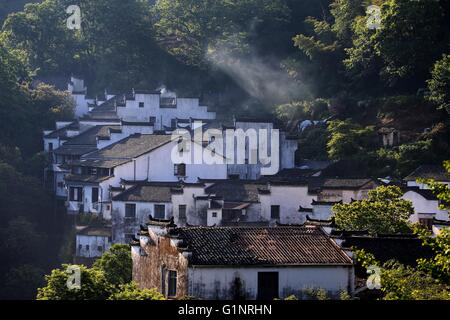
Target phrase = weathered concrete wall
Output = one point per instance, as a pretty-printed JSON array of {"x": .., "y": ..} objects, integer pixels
[{"x": 155, "y": 255}]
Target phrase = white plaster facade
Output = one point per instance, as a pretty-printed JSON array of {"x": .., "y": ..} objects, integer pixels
[{"x": 214, "y": 283}]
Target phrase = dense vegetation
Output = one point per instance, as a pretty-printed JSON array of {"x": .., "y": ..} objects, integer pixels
[
  {"x": 293, "y": 59},
  {"x": 108, "y": 279}
]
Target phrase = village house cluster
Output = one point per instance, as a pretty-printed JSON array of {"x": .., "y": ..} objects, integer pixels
[{"x": 218, "y": 231}]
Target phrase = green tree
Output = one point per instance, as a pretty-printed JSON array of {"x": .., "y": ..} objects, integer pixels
[
  {"x": 384, "y": 211},
  {"x": 41, "y": 32},
  {"x": 399, "y": 282},
  {"x": 188, "y": 29},
  {"x": 116, "y": 264},
  {"x": 439, "y": 84},
  {"x": 130, "y": 291},
  {"x": 439, "y": 265},
  {"x": 93, "y": 285},
  {"x": 348, "y": 140},
  {"x": 428, "y": 281},
  {"x": 410, "y": 38}
]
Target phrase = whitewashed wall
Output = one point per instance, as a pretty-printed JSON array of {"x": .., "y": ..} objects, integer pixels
[
  {"x": 185, "y": 109},
  {"x": 215, "y": 283},
  {"x": 94, "y": 242},
  {"x": 289, "y": 198},
  {"x": 422, "y": 205}
]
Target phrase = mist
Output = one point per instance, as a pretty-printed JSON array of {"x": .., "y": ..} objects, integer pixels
[{"x": 262, "y": 78}]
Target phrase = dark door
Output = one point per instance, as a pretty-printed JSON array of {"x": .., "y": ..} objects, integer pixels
[{"x": 267, "y": 285}]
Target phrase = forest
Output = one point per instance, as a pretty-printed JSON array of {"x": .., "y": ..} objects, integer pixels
[{"x": 292, "y": 60}]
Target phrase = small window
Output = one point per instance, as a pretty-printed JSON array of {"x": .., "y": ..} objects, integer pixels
[
  {"x": 172, "y": 292},
  {"x": 100, "y": 249},
  {"x": 50, "y": 147},
  {"x": 130, "y": 211},
  {"x": 141, "y": 104},
  {"x": 80, "y": 247},
  {"x": 94, "y": 195},
  {"x": 75, "y": 194},
  {"x": 214, "y": 214},
  {"x": 160, "y": 211},
  {"x": 87, "y": 247},
  {"x": 168, "y": 102},
  {"x": 182, "y": 212},
  {"x": 275, "y": 212},
  {"x": 180, "y": 170}
]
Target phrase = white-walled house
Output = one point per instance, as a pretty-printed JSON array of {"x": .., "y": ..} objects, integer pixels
[
  {"x": 240, "y": 262},
  {"x": 140, "y": 157},
  {"x": 426, "y": 206},
  {"x": 92, "y": 241},
  {"x": 219, "y": 203},
  {"x": 78, "y": 91},
  {"x": 71, "y": 141}
]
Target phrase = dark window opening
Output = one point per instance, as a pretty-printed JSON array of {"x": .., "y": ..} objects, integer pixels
[
  {"x": 141, "y": 104},
  {"x": 130, "y": 211},
  {"x": 160, "y": 211},
  {"x": 267, "y": 285},
  {"x": 75, "y": 194},
  {"x": 168, "y": 102},
  {"x": 275, "y": 212},
  {"x": 180, "y": 170},
  {"x": 95, "y": 195},
  {"x": 172, "y": 292},
  {"x": 182, "y": 212}
]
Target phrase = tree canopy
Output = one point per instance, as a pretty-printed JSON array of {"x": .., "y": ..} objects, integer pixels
[{"x": 382, "y": 212}]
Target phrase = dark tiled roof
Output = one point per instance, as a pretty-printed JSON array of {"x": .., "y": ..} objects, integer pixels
[
  {"x": 74, "y": 150},
  {"x": 237, "y": 190},
  {"x": 324, "y": 203},
  {"x": 317, "y": 183},
  {"x": 95, "y": 231},
  {"x": 435, "y": 172},
  {"x": 282, "y": 245},
  {"x": 133, "y": 146},
  {"x": 89, "y": 137},
  {"x": 84, "y": 178},
  {"x": 123, "y": 151},
  {"x": 98, "y": 163},
  {"x": 405, "y": 249},
  {"x": 149, "y": 192},
  {"x": 62, "y": 132}
]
